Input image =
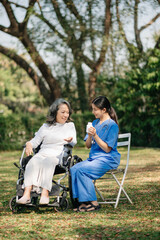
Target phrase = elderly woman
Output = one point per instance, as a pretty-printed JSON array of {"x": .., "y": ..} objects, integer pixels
[{"x": 52, "y": 135}]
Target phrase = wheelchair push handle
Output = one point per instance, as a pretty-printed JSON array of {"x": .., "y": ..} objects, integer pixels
[{"x": 15, "y": 164}]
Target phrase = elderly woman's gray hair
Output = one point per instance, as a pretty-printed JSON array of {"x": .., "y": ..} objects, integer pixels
[{"x": 51, "y": 118}]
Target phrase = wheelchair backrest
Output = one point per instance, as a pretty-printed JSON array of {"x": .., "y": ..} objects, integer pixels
[{"x": 66, "y": 154}]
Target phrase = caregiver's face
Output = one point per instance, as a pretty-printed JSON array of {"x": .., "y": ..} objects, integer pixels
[{"x": 98, "y": 113}]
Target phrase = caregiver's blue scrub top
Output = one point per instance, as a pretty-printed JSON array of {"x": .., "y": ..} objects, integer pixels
[{"x": 108, "y": 132}]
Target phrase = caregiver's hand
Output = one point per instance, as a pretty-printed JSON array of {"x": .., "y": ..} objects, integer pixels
[{"x": 92, "y": 131}]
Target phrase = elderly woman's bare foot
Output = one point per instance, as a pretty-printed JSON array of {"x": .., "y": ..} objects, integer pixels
[
  {"x": 44, "y": 200},
  {"x": 24, "y": 200}
]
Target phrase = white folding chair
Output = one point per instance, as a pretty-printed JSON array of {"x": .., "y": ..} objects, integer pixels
[{"x": 124, "y": 140}]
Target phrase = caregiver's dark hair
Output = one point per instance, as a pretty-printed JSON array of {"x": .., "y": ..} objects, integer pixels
[
  {"x": 102, "y": 102},
  {"x": 51, "y": 118}
]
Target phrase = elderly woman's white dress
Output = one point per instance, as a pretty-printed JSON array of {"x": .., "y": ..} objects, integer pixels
[{"x": 40, "y": 169}]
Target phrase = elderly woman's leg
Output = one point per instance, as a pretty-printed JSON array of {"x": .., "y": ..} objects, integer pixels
[
  {"x": 48, "y": 166},
  {"x": 44, "y": 197},
  {"x": 26, "y": 198}
]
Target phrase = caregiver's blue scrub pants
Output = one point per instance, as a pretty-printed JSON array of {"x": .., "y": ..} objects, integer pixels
[{"x": 83, "y": 174}]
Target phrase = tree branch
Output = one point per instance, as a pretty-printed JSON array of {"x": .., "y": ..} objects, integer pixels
[
  {"x": 157, "y": 44},
  {"x": 137, "y": 33},
  {"x": 9, "y": 11},
  {"x": 18, "y": 5},
  {"x": 5, "y": 30},
  {"x": 38, "y": 81},
  {"x": 158, "y": 1},
  {"x": 105, "y": 40},
  {"x": 91, "y": 27},
  {"x": 39, "y": 5},
  {"x": 41, "y": 17},
  {"x": 87, "y": 61},
  {"x": 28, "y": 14},
  {"x": 71, "y": 6},
  {"x": 66, "y": 27},
  {"x": 150, "y": 22},
  {"x": 131, "y": 48},
  {"x": 120, "y": 25}
]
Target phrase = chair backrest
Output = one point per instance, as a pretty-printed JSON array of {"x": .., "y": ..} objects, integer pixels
[{"x": 125, "y": 140}]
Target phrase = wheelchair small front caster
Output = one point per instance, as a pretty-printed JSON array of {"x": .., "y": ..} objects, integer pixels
[{"x": 63, "y": 205}]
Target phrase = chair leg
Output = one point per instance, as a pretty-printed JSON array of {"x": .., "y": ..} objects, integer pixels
[
  {"x": 99, "y": 193},
  {"x": 120, "y": 190}
]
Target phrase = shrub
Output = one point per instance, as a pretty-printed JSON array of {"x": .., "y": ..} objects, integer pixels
[{"x": 15, "y": 130}]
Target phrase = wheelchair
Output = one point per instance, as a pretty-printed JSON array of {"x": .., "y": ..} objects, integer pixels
[{"x": 59, "y": 192}]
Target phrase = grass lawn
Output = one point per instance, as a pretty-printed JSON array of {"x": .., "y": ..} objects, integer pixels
[{"x": 138, "y": 221}]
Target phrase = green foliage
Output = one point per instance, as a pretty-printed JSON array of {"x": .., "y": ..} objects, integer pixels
[
  {"x": 80, "y": 121},
  {"x": 15, "y": 129},
  {"x": 135, "y": 97},
  {"x": 137, "y": 100},
  {"x": 17, "y": 92}
]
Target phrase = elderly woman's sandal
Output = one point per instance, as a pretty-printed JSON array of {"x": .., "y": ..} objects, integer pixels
[{"x": 23, "y": 200}]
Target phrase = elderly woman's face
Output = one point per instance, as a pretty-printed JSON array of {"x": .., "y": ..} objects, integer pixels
[{"x": 62, "y": 114}]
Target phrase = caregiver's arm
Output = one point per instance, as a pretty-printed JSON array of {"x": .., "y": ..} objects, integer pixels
[
  {"x": 102, "y": 144},
  {"x": 99, "y": 141},
  {"x": 89, "y": 141}
]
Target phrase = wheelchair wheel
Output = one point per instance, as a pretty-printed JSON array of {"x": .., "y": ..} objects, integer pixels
[
  {"x": 13, "y": 205},
  {"x": 75, "y": 159},
  {"x": 63, "y": 205}
]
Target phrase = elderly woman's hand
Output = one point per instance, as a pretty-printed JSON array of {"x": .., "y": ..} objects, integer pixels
[
  {"x": 68, "y": 139},
  {"x": 29, "y": 150}
]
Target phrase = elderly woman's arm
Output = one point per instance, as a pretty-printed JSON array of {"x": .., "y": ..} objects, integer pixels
[
  {"x": 35, "y": 142},
  {"x": 29, "y": 149},
  {"x": 73, "y": 138}
]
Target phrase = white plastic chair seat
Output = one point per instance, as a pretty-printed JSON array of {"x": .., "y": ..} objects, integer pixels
[{"x": 118, "y": 170}]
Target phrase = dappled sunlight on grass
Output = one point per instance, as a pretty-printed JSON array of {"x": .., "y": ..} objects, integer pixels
[{"x": 137, "y": 221}]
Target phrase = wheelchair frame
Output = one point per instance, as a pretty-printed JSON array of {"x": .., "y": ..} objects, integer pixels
[{"x": 60, "y": 191}]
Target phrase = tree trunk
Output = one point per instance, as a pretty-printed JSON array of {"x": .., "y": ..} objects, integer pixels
[
  {"x": 92, "y": 86},
  {"x": 81, "y": 87},
  {"x": 105, "y": 41},
  {"x": 42, "y": 66}
]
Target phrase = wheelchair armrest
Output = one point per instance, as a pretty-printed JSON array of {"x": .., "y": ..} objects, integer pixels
[
  {"x": 67, "y": 154},
  {"x": 69, "y": 146},
  {"x": 25, "y": 161}
]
